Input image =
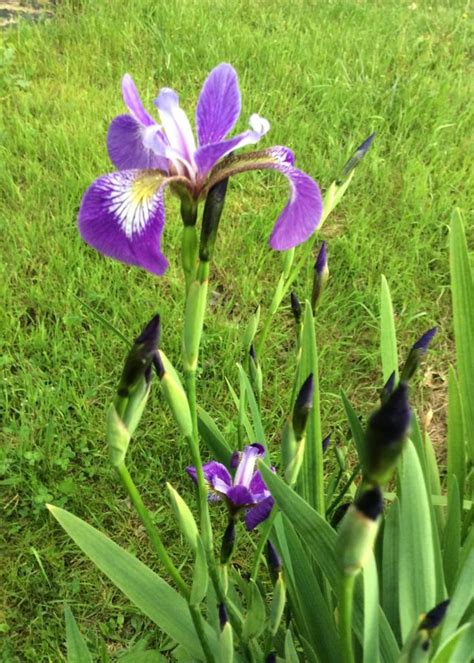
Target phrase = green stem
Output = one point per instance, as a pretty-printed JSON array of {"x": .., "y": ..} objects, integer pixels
[
  {"x": 345, "y": 617},
  {"x": 198, "y": 625},
  {"x": 150, "y": 528},
  {"x": 261, "y": 544}
]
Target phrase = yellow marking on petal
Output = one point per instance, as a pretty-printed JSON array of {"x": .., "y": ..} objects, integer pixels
[{"x": 144, "y": 188}]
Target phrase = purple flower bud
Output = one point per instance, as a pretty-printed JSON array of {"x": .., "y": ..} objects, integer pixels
[
  {"x": 295, "y": 308},
  {"x": 386, "y": 433},
  {"x": 435, "y": 616},
  {"x": 326, "y": 442},
  {"x": 252, "y": 353},
  {"x": 339, "y": 514},
  {"x": 320, "y": 277},
  {"x": 303, "y": 405},
  {"x": 158, "y": 364},
  {"x": 228, "y": 542},
  {"x": 271, "y": 658},
  {"x": 370, "y": 503},
  {"x": 321, "y": 260},
  {"x": 425, "y": 340},
  {"x": 139, "y": 358},
  {"x": 223, "y": 616},
  {"x": 274, "y": 560},
  {"x": 213, "y": 209},
  {"x": 358, "y": 155},
  {"x": 235, "y": 459}
]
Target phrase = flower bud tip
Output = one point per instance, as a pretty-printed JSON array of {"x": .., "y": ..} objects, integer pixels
[
  {"x": 321, "y": 260},
  {"x": 424, "y": 341},
  {"x": 370, "y": 503}
]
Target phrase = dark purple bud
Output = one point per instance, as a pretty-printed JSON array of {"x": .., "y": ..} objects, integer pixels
[
  {"x": 416, "y": 354},
  {"x": 303, "y": 405},
  {"x": 435, "y": 616},
  {"x": 326, "y": 442},
  {"x": 271, "y": 658},
  {"x": 223, "y": 616},
  {"x": 213, "y": 209},
  {"x": 295, "y": 308},
  {"x": 424, "y": 342},
  {"x": 228, "y": 542},
  {"x": 370, "y": 503},
  {"x": 320, "y": 277},
  {"x": 388, "y": 387},
  {"x": 386, "y": 433},
  {"x": 358, "y": 155},
  {"x": 158, "y": 364},
  {"x": 274, "y": 561},
  {"x": 139, "y": 358},
  {"x": 321, "y": 260},
  {"x": 235, "y": 459},
  {"x": 252, "y": 353}
]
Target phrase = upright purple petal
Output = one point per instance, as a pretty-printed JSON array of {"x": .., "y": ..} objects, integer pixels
[
  {"x": 133, "y": 102},
  {"x": 206, "y": 157},
  {"x": 122, "y": 215},
  {"x": 257, "y": 486},
  {"x": 176, "y": 125},
  {"x": 246, "y": 468},
  {"x": 218, "y": 107},
  {"x": 258, "y": 513},
  {"x": 302, "y": 213},
  {"x": 130, "y": 144}
]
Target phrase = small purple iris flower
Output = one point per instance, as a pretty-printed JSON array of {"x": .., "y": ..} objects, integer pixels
[
  {"x": 122, "y": 214},
  {"x": 246, "y": 490}
]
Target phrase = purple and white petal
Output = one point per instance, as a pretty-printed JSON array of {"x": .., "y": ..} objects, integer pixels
[
  {"x": 213, "y": 472},
  {"x": 257, "y": 485},
  {"x": 246, "y": 467},
  {"x": 258, "y": 513},
  {"x": 206, "y": 157},
  {"x": 122, "y": 215},
  {"x": 302, "y": 213},
  {"x": 218, "y": 107},
  {"x": 240, "y": 496},
  {"x": 133, "y": 102},
  {"x": 132, "y": 145},
  {"x": 176, "y": 126}
]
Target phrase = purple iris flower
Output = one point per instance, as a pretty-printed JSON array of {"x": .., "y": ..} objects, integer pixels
[
  {"x": 246, "y": 490},
  {"x": 122, "y": 214}
]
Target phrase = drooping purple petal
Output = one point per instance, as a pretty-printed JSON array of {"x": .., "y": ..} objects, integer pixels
[
  {"x": 132, "y": 145},
  {"x": 134, "y": 103},
  {"x": 218, "y": 108},
  {"x": 206, "y": 157},
  {"x": 301, "y": 214},
  {"x": 240, "y": 496},
  {"x": 122, "y": 215},
  {"x": 176, "y": 125},
  {"x": 214, "y": 473},
  {"x": 258, "y": 513},
  {"x": 245, "y": 470}
]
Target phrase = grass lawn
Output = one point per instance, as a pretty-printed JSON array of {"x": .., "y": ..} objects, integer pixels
[{"x": 326, "y": 74}]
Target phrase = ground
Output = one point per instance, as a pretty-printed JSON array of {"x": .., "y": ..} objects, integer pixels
[{"x": 326, "y": 75}]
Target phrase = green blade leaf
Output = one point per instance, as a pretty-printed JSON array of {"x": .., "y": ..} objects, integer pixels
[
  {"x": 417, "y": 579},
  {"x": 391, "y": 538},
  {"x": 462, "y": 288},
  {"x": 200, "y": 575},
  {"x": 456, "y": 439},
  {"x": 355, "y": 426},
  {"x": 388, "y": 339},
  {"x": 254, "y": 408},
  {"x": 150, "y": 593},
  {"x": 461, "y": 599},
  {"x": 319, "y": 539},
  {"x": 458, "y": 647},
  {"x": 255, "y": 619},
  {"x": 311, "y": 481},
  {"x": 371, "y": 612},
  {"x": 213, "y": 438},
  {"x": 452, "y": 538},
  {"x": 77, "y": 651}
]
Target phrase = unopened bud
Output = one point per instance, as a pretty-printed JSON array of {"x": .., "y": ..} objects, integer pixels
[
  {"x": 223, "y": 616},
  {"x": 326, "y": 442},
  {"x": 320, "y": 277},
  {"x": 174, "y": 393},
  {"x": 296, "y": 308},
  {"x": 194, "y": 318},
  {"x": 140, "y": 357},
  {"x": 386, "y": 434},
  {"x": 303, "y": 405},
  {"x": 358, "y": 531},
  {"x": 226, "y": 638},
  {"x": 228, "y": 542},
  {"x": 358, "y": 155},
  {"x": 213, "y": 209},
  {"x": 274, "y": 561},
  {"x": 255, "y": 371},
  {"x": 416, "y": 354},
  {"x": 185, "y": 518},
  {"x": 418, "y": 644},
  {"x": 387, "y": 389},
  {"x": 278, "y": 604}
]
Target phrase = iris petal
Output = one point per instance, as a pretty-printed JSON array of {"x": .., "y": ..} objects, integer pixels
[
  {"x": 176, "y": 125},
  {"x": 122, "y": 215},
  {"x": 218, "y": 107},
  {"x": 134, "y": 103},
  {"x": 132, "y": 145},
  {"x": 258, "y": 513}
]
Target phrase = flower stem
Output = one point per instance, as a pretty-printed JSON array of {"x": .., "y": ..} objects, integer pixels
[
  {"x": 345, "y": 616},
  {"x": 150, "y": 528},
  {"x": 261, "y": 544}
]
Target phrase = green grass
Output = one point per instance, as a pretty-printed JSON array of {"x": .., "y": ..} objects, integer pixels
[{"x": 326, "y": 74}]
